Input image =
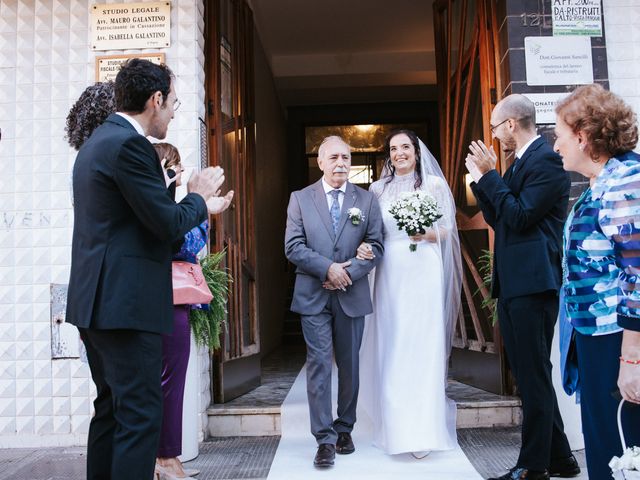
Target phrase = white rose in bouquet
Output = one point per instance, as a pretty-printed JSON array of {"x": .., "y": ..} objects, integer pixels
[{"x": 414, "y": 212}]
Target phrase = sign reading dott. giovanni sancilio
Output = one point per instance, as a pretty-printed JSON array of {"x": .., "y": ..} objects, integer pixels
[{"x": 122, "y": 26}]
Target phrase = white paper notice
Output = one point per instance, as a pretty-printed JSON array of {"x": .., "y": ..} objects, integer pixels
[{"x": 562, "y": 60}]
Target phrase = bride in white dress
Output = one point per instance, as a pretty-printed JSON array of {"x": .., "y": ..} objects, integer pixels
[{"x": 416, "y": 298}]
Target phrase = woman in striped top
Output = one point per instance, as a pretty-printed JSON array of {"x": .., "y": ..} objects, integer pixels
[{"x": 596, "y": 132}]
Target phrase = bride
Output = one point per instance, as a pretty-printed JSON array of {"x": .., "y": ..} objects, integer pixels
[{"x": 416, "y": 298}]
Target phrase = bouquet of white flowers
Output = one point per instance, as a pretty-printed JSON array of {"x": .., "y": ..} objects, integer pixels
[
  {"x": 626, "y": 467},
  {"x": 414, "y": 213}
]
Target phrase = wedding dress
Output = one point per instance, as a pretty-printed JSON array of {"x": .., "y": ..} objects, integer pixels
[{"x": 407, "y": 340}]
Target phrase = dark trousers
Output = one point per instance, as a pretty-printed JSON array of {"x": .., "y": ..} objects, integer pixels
[
  {"x": 175, "y": 359},
  {"x": 332, "y": 330},
  {"x": 123, "y": 435},
  {"x": 598, "y": 367},
  {"x": 526, "y": 325}
]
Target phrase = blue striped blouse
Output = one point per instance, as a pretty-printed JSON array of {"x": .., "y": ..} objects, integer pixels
[{"x": 602, "y": 251}]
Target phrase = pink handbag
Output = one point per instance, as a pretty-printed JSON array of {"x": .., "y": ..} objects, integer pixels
[{"x": 189, "y": 284}]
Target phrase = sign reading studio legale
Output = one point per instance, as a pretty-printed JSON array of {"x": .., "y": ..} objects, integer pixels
[{"x": 121, "y": 26}]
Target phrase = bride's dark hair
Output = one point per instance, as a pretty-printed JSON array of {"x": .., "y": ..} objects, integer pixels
[{"x": 416, "y": 146}]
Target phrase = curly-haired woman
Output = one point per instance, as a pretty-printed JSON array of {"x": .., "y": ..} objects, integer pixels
[
  {"x": 596, "y": 132},
  {"x": 95, "y": 104}
]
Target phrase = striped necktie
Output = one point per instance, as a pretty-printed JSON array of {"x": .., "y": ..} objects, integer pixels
[{"x": 335, "y": 209}]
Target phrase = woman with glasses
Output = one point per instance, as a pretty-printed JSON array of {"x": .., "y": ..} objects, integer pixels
[{"x": 177, "y": 344}]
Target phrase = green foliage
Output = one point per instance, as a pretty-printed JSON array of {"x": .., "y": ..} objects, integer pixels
[
  {"x": 485, "y": 267},
  {"x": 206, "y": 324}
]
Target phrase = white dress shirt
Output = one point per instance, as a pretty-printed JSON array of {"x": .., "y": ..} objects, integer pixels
[
  {"x": 328, "y": 189},
  {"x": 133, "y": 122},
  {"x": 523, "y": 150}
]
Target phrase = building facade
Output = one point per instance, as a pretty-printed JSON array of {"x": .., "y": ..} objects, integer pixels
[{"x": 46, "y": 61}]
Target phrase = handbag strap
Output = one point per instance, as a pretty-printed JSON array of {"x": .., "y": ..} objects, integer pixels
[{"x": 196, "y": 278}]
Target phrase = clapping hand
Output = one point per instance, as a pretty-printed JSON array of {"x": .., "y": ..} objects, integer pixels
[
  {"x": 480, "y": 160},
  {"x": 218, "y": 204},
  {"x": 207, "y": 182},
  {"x": 470, "y": 163},
  {"x": 167, "y": 179}
]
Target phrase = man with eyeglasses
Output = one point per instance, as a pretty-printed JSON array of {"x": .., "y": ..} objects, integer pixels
[
  {"x": 120, "y": 295},
  {"x": 527, "y": 208}
]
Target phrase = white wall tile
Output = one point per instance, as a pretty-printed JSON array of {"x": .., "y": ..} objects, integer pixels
[
  {"x": 25, "y": 425},
  {"x": 45, "y": 63},
  {"x": 26, "y": 408},
  {"x": 44, "y": 424},
  {"x": 622, "y": 27},
  {"x": 7, "y": 426}
]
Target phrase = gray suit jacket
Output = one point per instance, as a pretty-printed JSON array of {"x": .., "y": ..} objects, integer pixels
[{"x": 312, "y": 246}]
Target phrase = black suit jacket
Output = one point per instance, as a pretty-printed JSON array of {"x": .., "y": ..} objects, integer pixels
[
  {"x": 125, "y": 222},
  {"x": 527, "y": 210}
]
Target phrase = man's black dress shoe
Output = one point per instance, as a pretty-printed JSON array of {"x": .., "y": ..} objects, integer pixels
[
  {"x": 565, "y": 467},
  {"x": 519, "y": 473},
  {"x": 344, "y": 445},
  {"x": 325, "y": 456}
]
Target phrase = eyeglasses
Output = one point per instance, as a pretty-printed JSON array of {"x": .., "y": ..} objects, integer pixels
[
  {"x": 176, "y": 105},
  {"x": 493, "y": 127}
]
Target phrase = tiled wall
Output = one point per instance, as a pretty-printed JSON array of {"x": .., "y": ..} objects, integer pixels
[
  {"x": 45, "y": 63},
  {"x": 622, "y": 26}
]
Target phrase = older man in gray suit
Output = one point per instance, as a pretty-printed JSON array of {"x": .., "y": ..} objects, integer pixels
[{"x": 325, "y": 224}]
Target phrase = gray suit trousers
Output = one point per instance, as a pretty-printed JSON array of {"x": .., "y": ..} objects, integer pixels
[{"x": 332, "y": 329}]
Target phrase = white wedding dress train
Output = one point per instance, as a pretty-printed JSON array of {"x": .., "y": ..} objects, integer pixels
[
  {"x": 403, "y": 358},
  {"x": 294, "y": 457}
]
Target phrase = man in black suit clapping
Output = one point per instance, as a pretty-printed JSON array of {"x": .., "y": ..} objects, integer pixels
[
  {"x": 527, "y": 208},
  {"x": 120, "y": 292}
]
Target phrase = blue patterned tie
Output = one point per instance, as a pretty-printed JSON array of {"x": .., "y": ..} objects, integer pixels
[
  {"x": 335, "y": 210},
  {"x": 515, "y": 164}
]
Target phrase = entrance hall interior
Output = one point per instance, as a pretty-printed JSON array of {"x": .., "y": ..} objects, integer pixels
[{"x": 280, "y": 76}]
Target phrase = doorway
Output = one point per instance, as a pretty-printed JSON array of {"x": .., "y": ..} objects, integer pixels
[{"x": 338, "y": 66}]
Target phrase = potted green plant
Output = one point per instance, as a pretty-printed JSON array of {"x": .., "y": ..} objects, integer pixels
[
  {"x": 485, "y": 268},
  {"x": 207, "y": 324}
]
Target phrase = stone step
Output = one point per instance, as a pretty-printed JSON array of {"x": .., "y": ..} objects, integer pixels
[
  {"x": 483, "y": 414},
  {"x": 243, "y": 421},
  {"x": 257, "y": 413},
  {"x": 249, "y": 421}
]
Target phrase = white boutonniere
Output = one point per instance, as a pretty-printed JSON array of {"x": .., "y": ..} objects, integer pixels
[{"x": 355, "y": 215}]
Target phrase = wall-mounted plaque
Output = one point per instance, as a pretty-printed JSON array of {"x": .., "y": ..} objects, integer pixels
[
  {"x": 122, "y": 26},
  {"x": 545, "y": 106},
  {"x": 577, "y": 17},
  {"x": 65, "y": 341},
  {"x": 108, "y": 66},
  {"x": 558, "y": 60}
]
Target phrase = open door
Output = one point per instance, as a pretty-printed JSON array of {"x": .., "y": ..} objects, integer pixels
[
  {"x": 469, "y": 84},
  {"x": 231, "y": 141}
]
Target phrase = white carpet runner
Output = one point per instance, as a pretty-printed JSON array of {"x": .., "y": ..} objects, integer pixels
[{"x": 294, "y": 457}]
